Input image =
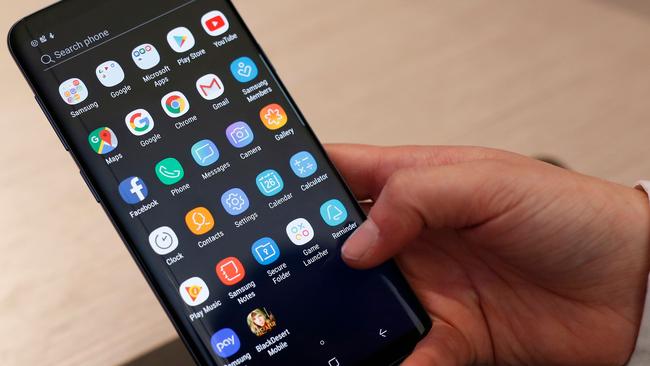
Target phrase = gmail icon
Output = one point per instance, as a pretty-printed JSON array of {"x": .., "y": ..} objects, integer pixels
[{"x": 210, "y": 87}]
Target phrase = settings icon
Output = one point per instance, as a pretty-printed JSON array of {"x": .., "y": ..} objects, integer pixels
[{"x": 235, "y": 201}]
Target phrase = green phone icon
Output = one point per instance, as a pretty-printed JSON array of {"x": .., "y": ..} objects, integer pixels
[{"x": 169, "y": 171}]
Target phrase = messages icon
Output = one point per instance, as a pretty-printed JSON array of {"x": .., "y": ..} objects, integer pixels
[{"x": 205, "y": 153}]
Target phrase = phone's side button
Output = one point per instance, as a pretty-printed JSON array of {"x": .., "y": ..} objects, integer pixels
[
  {"x": 52, "y": 123},
  {"x": 90, "y": 186}
]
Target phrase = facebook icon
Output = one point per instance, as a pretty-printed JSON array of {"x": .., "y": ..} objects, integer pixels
[{"x": 133, "y": 190}]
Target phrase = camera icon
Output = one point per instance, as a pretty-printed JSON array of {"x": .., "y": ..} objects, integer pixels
[{"x": 240, "y": 134}]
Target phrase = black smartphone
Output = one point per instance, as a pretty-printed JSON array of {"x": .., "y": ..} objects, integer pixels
[{"x": 220, "y": 190}]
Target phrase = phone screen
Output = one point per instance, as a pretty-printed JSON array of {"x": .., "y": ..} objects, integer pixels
[{"x": 218, "y": 187}]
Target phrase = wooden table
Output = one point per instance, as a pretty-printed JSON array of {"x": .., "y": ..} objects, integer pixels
[{"x": 568, "y": 78}]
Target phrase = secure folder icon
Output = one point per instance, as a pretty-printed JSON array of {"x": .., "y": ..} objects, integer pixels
[{"x": 210, "y": 87}]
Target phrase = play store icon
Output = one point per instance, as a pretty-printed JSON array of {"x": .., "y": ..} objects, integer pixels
[{"x": 180, "y": 39}]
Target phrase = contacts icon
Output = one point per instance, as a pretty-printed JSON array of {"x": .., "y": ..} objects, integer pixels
[{"x": 199, "y": 221}]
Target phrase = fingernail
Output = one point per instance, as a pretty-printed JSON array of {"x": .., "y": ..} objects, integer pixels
[{"x": 360, "y": 242}]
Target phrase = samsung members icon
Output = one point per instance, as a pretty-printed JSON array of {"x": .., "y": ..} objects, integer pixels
[
  {"x": 133, "y": 190},
  {"x": 244, "y": 69},
  {"x": 163, "y": 240},
  {"x": 139, "y": 122},
  {"x": 145, "y": 56}
]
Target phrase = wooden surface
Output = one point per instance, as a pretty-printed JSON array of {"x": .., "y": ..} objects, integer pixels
[{"x": 569, "y": 78}]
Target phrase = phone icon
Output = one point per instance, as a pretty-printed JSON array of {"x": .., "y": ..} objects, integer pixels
[
  {"x": 133, "y": 190},
  {"x": 333, "y": 212},
  {"x": 215, "y": 23},
  {"x": 240, "y": 134},
  {"x": 225, "y": 343},
  {"x": 265, "y": 251},
  {"x": 175, "y": 104},
  {"x": 303, "y": 164},
  {"x": 103, "y": 140},
  {"x": 273, "y": 116},
  {"x": 194, "y": 291},
  {"x": 205, "y": 153},
  {"x": 199, "y": 221},
  {"x": 169, "y": 171},
  {"x": 269, "y": 182},
  {"x": 163, "y": 240},
  {"x": 145, "y": 56},
  {"x": 235, "y": 201},
  {"x": 73, "y": 91},
  {"x": 230, "y": 271},
  {"x": 300, "y": 231},
  {"x": 180, "y": 39},
  {"x": 244, "y": 69},
  {"x": 139, "y": 122},
  {"x": 110, "y": 73},
  {"x": 210, "y": 87}
]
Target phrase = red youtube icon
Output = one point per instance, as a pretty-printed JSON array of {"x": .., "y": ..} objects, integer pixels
[{"x": 215, "y": 23}]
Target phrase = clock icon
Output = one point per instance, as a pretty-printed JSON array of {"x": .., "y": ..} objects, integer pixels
[{"x": 163, "y": 240}]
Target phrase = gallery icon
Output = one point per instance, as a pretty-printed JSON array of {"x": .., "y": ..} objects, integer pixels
[
  {"x": 175, "y": 104},
  {"x": 145, "y": 56},
  {"x": 163, "y": 240},
  {"x": 180, "y": 39},
  {"x": 333, "y": 212},
  {"x": 303, "y": 164},
  {"x": 205, "y": 153},
  {"x": 269, "y": 182},
  {"x": 215, "y": 23},
  {"x": 199, "y": 221},
  {"x": 300, "y": 231},
  {"x": 110, "y": 73},
  {"x": 194, "y": 291},
  {"x": 244, "y": 69},
  {"x": 103, "y": 140},
  {"x": 273, "y": 116},
  {"x": 240, "y": 134},
  {"x": 139, "y": 122},
  {"x": 210, "y": 87},
  {"x": 133, "y": 190},
  {"x": 73, "y": 91},
  {"x": 169, "y": 171},
  {"x": 235, "y": 201},
  {"x": 225, "y": 343},
  {"x": 265, "y": 251},
  {"x": 230, "y": 271}
]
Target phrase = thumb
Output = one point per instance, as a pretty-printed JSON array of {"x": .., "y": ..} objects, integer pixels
[{"x": 446, "y": 197}]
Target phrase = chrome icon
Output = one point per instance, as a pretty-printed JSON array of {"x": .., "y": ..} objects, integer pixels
[{"x": 175, "y": 104}]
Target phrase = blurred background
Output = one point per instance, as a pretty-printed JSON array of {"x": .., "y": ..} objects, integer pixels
[{"x": 562, "y": 78}]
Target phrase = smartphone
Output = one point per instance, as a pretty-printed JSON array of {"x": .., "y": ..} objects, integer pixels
[{"x": 218, "y": 187}]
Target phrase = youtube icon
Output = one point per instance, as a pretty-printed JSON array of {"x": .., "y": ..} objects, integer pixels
[{"x": 215, "y": 23}]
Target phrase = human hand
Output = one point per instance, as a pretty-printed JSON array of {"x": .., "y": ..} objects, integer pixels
[{"x": 516, "y": 261}]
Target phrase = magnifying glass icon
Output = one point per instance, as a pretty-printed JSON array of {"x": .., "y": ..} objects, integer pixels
[{"x": 46, "y": 59}]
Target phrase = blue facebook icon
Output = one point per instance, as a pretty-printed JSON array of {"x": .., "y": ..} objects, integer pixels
[{"x": 133, "y": 190}]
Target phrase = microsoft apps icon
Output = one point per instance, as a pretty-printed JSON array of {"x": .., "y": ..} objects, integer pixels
[
  {"x": 133, "y": 190},
  {"x": 180, "y": 39}
]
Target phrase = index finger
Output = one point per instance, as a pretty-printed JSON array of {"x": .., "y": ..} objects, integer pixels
[{"x": 367, "y": 168}]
